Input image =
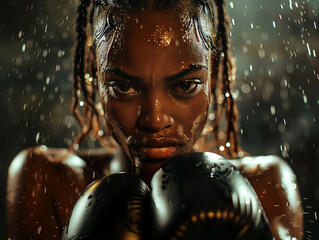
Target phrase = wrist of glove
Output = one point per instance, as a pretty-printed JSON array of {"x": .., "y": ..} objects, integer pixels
[{"x": 194, "y": 196}]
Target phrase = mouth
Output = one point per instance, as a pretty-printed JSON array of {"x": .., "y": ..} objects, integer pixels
[
  {"x": 157, "y": 149},
  {"x": 159, "y": 152}
]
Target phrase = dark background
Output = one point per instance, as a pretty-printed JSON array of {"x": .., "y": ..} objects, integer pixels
[{"x": 275, "y": 43}]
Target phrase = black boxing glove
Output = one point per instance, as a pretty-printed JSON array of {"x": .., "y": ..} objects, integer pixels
[
  {"x": 203, "y": 196},
  {"x": 109, "y": 208}
]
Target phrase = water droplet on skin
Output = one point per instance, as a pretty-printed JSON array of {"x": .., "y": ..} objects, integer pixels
[
  {"x": 180, "y": 129},
  {"x": 137, "y": 162},
  {"x": 139, "y": 110},
  {"x": 240, "y": 154},
  {"x": 128, "y": 139},
  {"x": 43, "y": 148}
]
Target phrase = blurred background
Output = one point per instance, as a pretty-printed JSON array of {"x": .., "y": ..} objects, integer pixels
[{"x": 275, "y": 43}]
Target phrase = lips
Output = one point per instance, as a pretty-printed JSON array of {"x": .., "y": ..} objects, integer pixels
[
  {"x": 157, "y": 148},
  {"x": 160, "y": 152}
]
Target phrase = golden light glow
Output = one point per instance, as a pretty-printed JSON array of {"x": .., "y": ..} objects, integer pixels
[
  {"x": 211, "y": 214},
  {"x": 162, "y": 36}
]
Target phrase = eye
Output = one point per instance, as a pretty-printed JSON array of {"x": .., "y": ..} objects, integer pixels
[
  {"x": 188, "y": 87},
  {"x": 121, "y": 90}
]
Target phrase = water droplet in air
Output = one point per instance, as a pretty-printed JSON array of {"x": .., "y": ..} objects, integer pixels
[{"x": 37, "y": 137}]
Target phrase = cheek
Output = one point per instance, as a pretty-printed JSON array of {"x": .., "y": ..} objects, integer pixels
[
  {"x": 122, "y": 116},
  {"x": 191, "y": 117}
]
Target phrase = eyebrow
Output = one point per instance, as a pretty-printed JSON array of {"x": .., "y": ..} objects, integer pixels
[
  {"x": 119, "y": 72},
  {"x": 191, "y": 68}
]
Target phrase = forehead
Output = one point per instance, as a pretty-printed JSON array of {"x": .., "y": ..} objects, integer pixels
[
  {"x": 154, "y": 24},
  {"x": 163, "y": 38}
]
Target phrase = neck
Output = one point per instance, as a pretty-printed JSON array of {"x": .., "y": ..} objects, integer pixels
[
  {"x": 147, "y": 170},
  {"x": 144, "y": 171}
]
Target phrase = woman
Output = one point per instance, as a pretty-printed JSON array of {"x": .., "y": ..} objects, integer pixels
[{"x": 159, "y": 68}]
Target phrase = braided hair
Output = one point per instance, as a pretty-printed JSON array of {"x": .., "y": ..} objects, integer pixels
[{"x": 84, "y": 106}]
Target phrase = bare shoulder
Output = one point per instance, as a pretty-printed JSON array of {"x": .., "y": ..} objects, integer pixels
[
  {"x": 38, "y": 160},
  {"x": 49, "y": 179},
  {"x": 40, "y": 156},
  {"x": 56, "y": 158},
  {"x": 276, "y": 186}
]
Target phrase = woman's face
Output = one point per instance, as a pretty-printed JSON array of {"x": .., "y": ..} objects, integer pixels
[{"x": 154, "y": 84}]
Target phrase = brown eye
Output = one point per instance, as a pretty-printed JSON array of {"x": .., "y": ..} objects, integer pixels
[
  {"x": 124, "y": 88},
  {"x": 121, "y": 90},
  {"x": 187, "y": 86}
]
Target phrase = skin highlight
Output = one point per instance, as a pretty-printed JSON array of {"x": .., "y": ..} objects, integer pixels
[{"x": 146, "y": 107}]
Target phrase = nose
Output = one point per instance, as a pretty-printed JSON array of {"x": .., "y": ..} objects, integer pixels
[{"x": 154, "y": 115}]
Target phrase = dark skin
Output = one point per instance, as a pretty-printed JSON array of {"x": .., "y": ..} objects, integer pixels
[
  {"x": 147, "y": 107},
  {"x": 155, "y": 85}
]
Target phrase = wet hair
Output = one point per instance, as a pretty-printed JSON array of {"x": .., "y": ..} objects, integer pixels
[{"x": 85, "y": 80}]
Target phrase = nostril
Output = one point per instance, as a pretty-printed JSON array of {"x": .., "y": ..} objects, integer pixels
[{"x": 155, "y": 123}]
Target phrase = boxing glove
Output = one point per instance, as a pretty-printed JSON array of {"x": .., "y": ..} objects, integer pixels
[
  {"x": 203, "y": 196},
  {"x": 109, "y": 208}
]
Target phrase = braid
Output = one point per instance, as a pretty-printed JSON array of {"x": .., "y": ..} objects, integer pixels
[
  {"x": 79, "y": 81},
  {"x": 228, "y": 102}
]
